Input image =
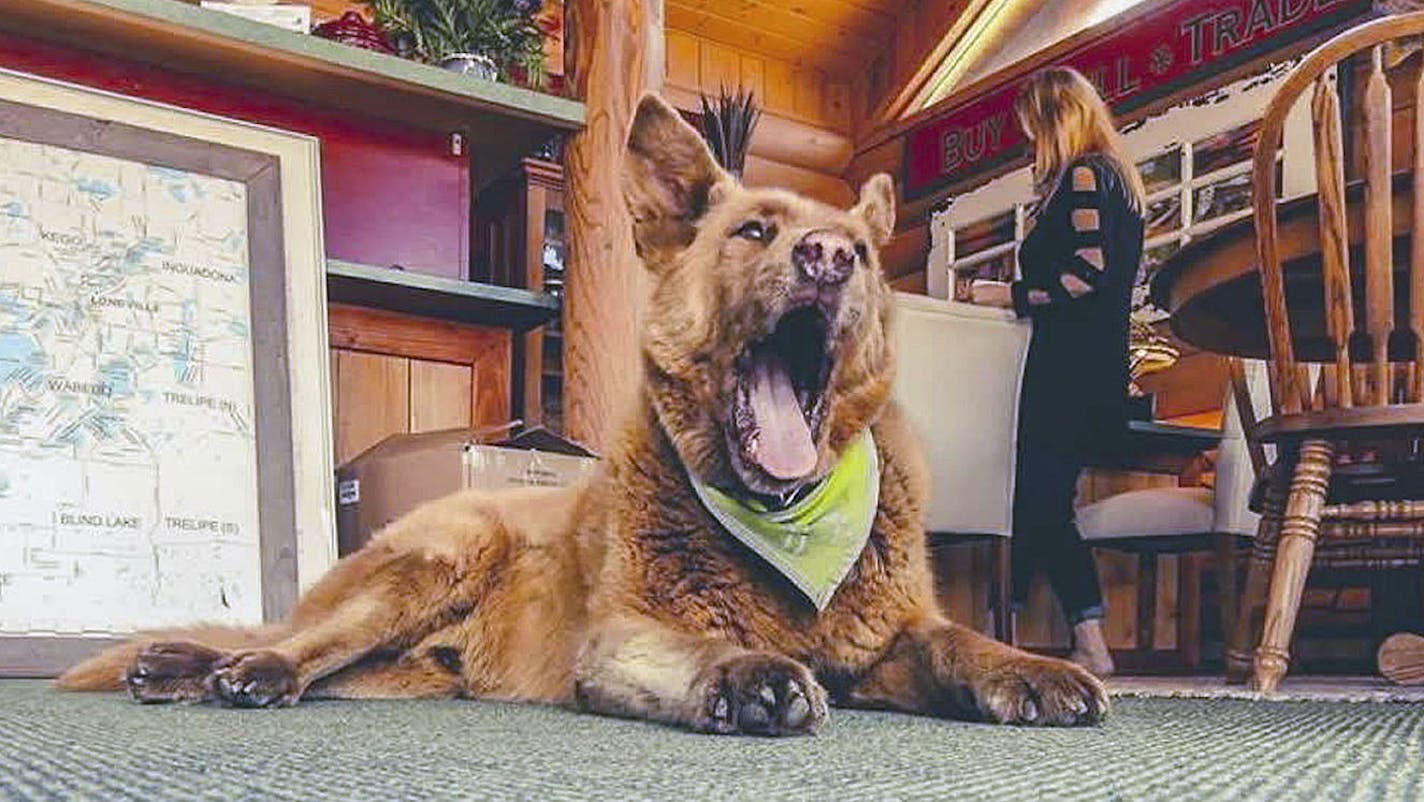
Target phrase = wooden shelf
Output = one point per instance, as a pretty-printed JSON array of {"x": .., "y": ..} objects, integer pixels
[
  {"x": 438, "y": 297},
  {"x": 500, "y": 123}
]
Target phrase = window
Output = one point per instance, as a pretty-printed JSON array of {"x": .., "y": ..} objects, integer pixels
[
  {"x": 1212, "y": 188},
  {"x": 985, "y": 250},
  {"x": 1195, "y": 162}
]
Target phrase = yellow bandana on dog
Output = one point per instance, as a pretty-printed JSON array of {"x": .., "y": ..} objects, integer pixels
[{"x": 815, "y": 541}]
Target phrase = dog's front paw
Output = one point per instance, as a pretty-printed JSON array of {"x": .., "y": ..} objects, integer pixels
[
  {"x": 174, "y": 671},
  {"x": 256, "y": 679},
  {"x": 1026, "y": 689},
  {"x": 762, "y": 694}
]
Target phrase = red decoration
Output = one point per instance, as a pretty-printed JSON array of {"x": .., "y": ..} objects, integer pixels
[
  {"x": 1186, "y": 43},
  {"x": 353, "y": 29}
]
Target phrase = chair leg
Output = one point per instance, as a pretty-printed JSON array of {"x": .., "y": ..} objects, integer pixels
[
  {"x": 1299, "y": 529},
  {"x": 1226, "y": 576},
  {"x": 1146, "y": 601},
  {"x": 1189, "y": 581},
  {"x": 1002, "y": 602},
  {"x": 1240, "y": 648}
]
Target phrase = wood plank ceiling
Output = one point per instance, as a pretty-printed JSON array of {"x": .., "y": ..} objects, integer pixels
[{"x": 838, "y": 37}]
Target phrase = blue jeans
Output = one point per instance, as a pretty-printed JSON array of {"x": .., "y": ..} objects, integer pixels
[{"x": 1046, "y": 536}]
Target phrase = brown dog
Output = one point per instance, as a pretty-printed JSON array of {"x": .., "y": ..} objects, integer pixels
[{"x": 766, "y": 356}]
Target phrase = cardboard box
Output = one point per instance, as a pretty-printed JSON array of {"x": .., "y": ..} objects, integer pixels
[
  {"x": 294, "y": 17},
  {"x": 403, "y": 471}
]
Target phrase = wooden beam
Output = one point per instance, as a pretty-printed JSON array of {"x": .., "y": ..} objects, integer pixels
[
  {"x": 935, "y": 45},
  {"x": 655, "y": 60},
  {"x": 986, "y": 35},
  {"x": 824, "y": 187},
  {"x": 777, "y": 30},
  {"x": 606, "y": 63}
]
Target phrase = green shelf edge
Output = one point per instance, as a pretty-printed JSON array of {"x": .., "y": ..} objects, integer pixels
[
  {"x": 438, "y": 297},
  {"x": 489, "y": 96}
]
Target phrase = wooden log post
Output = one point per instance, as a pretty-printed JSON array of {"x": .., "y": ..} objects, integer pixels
[{"x": 612, "y": 47}]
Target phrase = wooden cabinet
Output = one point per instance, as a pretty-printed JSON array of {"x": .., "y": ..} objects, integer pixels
[
  {"x": 393, "y": 373},
  {"x": 520, "y": 243}
]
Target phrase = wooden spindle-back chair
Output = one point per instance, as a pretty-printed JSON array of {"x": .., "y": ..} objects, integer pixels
[{"x": 1369, "y": 386}]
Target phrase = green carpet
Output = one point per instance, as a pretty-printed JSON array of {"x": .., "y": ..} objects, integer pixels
[{"x": 68, "y": 746}]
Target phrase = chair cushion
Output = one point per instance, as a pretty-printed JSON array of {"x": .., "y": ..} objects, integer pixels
[{"x": 1152, "y": 512}]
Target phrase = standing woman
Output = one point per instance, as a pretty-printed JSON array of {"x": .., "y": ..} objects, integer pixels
[{"x": 1078, "y": 265}]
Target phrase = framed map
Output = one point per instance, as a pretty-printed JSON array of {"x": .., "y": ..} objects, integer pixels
[{"x": 156, "y": 340}]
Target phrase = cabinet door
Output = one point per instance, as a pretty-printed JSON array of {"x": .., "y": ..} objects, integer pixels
[{"x": 373, "y": 399}]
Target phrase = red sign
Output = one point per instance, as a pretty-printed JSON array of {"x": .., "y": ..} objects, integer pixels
[{"x": 1182, "y": 43}]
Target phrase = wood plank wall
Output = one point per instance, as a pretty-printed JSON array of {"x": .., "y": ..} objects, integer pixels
[
  {"x": 803, "y": 139},
  {"x": 921, "y": 26}
]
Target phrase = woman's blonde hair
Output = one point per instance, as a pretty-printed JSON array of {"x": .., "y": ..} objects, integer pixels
[{"x": 1066, "y": 119}]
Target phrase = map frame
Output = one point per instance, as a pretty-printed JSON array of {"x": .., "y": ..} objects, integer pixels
[{"x": 295, "y": 508}]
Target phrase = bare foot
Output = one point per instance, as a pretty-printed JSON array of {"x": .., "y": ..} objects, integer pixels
[{"x": 1090, "y": 648}]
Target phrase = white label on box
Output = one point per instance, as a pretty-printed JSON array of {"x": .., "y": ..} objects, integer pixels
[
  {"x": 348, "y": 492},
  {"x": 295, "y": 18},
  {"x": 493, "y": 468}
]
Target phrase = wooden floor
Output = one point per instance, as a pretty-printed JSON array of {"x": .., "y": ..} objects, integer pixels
[{"x": 1313, "y": 688}]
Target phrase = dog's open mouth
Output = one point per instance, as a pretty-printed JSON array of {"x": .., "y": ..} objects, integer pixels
[{"x": 781, "y": 383}]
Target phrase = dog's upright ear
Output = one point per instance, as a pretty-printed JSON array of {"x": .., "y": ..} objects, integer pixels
[
  {"x": 877, "y": 207},
  {"x": 669, "y": 180}
]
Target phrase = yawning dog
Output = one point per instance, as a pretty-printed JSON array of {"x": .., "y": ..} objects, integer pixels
[{"x": 750, "y": 550}]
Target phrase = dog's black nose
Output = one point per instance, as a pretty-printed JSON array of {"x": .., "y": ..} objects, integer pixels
[{"x": 824, "y": 257}]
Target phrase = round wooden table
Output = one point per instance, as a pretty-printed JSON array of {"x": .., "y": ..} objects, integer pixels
[{"x": 1212, "y": 287}]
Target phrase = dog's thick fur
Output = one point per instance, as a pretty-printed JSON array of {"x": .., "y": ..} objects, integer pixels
[{"x": 623, "y": 595}]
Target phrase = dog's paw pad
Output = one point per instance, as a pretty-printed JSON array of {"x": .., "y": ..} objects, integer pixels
[
  {"x": 171, "y": 672},
  {"x": 1042, "y": 691},
  {"x": 256, "y": 679},
  {"x": 764, "y": 694}
]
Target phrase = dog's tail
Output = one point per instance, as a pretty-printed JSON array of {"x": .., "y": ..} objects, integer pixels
[{"x": 106, "y": 670}]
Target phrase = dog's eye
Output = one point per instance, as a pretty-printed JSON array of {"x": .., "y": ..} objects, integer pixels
[
  {"x": 754, "y": 230},
  {"x": 862, "y": 252}
]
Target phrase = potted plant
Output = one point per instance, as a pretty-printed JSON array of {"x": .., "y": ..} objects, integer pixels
[
  {"x": 491, "y": 39},
  {"x": 727, "y": 124}
]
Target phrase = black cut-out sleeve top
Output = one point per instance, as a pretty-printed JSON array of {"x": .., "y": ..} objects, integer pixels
[{"x": 1077, "y": 268}]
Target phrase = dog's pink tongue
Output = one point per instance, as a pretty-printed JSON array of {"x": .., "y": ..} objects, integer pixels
[{"x": 784, "y": 448}]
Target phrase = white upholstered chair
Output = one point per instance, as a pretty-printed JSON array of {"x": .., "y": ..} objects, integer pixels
[
  {"x": 958, "y": 372},
  {"x": 1166, "y": 520}
]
